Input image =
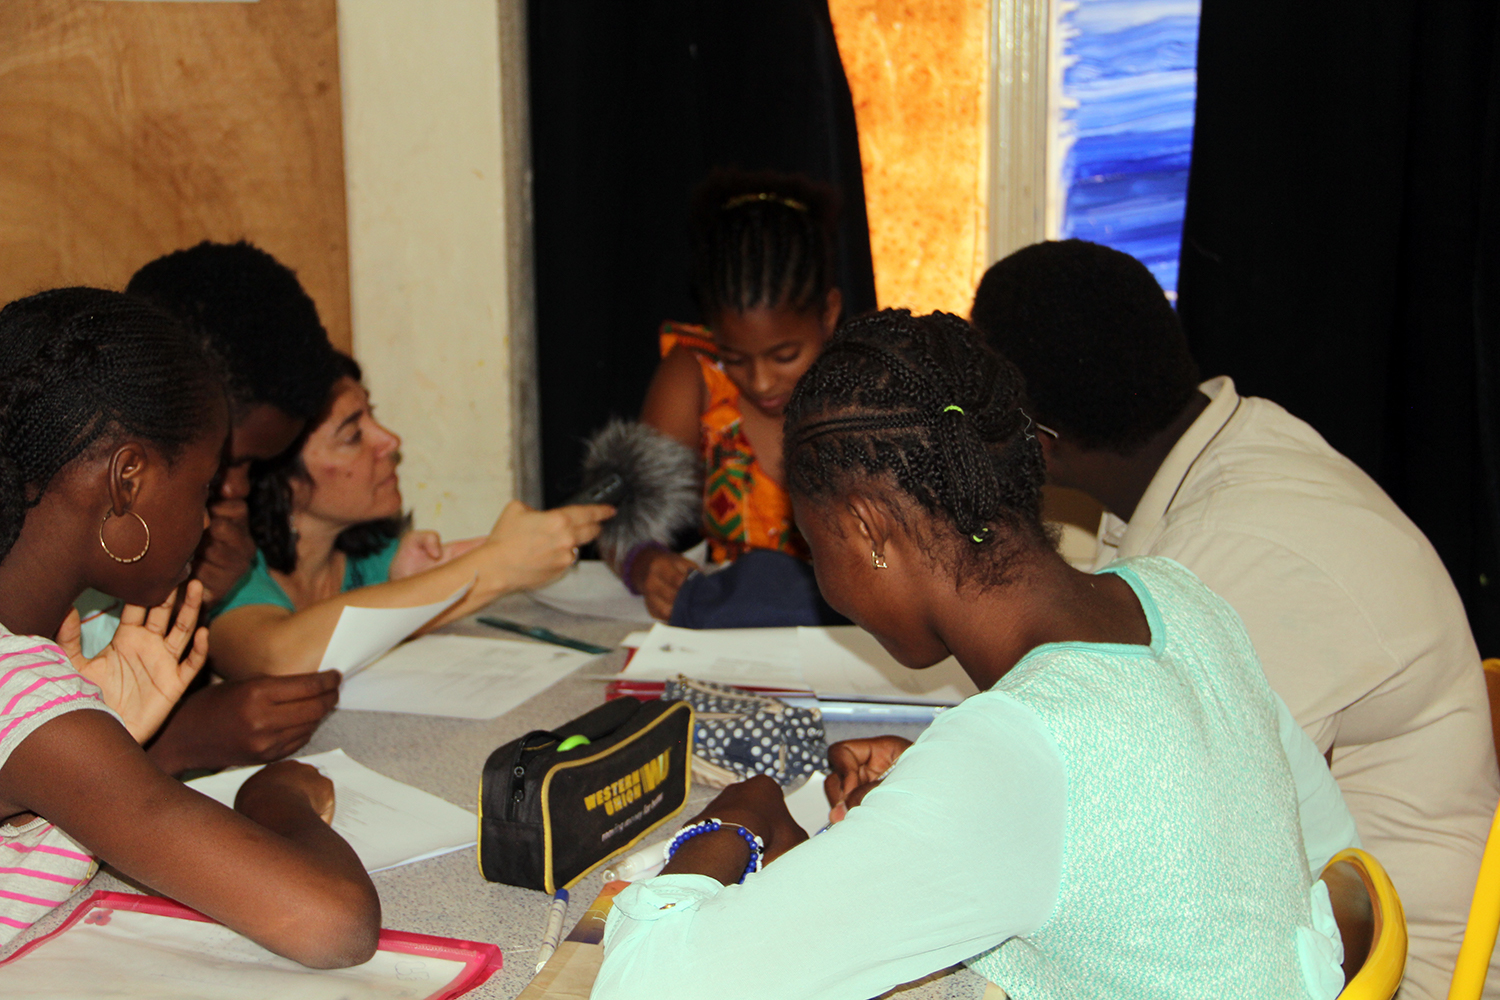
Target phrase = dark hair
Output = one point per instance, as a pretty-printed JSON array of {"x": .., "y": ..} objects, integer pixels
[
  {"x": 922, "y": 400},
  {"x": 80, "y": 366},
  {"x": 1102, "y": 349},
  {"x": 762, "y": 239},
  {"x": 252, "y": 313},
  {"x": 270, "y": 499}
]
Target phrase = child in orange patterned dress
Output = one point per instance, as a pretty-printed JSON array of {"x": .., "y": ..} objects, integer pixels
[{"x": 763, "y": 249}]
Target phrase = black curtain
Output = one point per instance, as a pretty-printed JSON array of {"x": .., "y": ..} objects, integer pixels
[
  {"x": 631, "y": 105},
  {"x": 1341, "y": 250}
]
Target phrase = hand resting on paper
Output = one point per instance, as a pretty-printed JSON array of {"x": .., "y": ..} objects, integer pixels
[
  {"x": 759, "y": 806},
  {"x": 276, "y": 786},
  {"x": 253, "y": 721},
  {"x": 857, "y": 766}
]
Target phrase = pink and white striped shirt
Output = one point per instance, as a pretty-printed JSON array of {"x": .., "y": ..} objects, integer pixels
[{"x": 40, "y": 866}]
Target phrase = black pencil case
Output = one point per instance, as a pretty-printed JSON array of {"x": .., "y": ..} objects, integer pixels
[{"x": 548, "y": 816}]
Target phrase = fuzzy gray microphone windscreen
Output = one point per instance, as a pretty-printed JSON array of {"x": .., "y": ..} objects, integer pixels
[{"x": 662, "y": 480}]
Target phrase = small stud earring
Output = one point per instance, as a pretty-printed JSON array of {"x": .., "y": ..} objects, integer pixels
[{"x": 877, "y": 560}]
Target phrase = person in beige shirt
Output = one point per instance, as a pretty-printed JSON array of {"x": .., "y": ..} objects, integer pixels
[{"x": 1354, "y": 616}]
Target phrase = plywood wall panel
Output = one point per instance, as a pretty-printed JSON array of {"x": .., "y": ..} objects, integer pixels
[
  {"x": 128, "y": 130},
  {"x": 919, "y": 74}
]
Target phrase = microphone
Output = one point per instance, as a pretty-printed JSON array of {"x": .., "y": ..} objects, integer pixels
[{"x": 654, "y": 483}]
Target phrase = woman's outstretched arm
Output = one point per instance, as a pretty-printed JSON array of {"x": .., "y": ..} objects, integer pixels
[
  {"x": 273, "y": 871},
  {"x": 526, "y": 549}
]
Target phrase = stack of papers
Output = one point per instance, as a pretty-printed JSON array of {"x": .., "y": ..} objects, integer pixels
[
  {"x": 388, "y": 823},
  {"x": 836, "y": 663},
  {"x": 459, "y": 676}
]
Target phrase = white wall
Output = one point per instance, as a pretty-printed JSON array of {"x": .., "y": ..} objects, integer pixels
[{"x": 439, "y": 287}]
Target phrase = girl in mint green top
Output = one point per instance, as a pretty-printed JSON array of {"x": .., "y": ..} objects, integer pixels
[
  {"x": 1124, "y": 810},
  {"x": 326, "y": 521}
]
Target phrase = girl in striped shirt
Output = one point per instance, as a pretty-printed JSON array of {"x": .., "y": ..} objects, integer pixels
[{"x": 112, "y": 427}]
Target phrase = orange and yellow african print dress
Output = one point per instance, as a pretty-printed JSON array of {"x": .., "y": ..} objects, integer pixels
[{"x": 743, "y": 508}]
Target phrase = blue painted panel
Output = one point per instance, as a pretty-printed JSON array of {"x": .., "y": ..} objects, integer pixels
[{"x": 1131, "y": 69}]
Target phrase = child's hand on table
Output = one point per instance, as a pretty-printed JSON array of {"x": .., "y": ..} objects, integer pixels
[
  {"x": 856, "y": 767},
  {"x": 288, "y": 783},
  {"x": 143, "y": 670}
]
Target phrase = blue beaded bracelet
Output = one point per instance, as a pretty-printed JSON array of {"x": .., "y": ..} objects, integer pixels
[{"x": 687, "y": 833}]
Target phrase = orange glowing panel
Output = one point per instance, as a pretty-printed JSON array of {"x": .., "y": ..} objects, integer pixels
[{"x": 918, "y": 70}]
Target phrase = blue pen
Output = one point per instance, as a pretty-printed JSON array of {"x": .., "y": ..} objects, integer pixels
[{"x": 553, "y": 934}]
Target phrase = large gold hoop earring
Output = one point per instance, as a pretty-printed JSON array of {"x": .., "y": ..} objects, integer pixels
[{"x": 105, "y": 545}]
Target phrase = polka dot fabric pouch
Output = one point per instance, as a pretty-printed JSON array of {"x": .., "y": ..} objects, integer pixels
[{"x": 739, "y": 734}]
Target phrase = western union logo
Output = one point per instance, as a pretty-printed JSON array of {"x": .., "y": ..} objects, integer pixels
[{"x": 620, "y": 794}]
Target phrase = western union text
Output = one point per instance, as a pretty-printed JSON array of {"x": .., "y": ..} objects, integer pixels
[{"x": 619, "y": 794}]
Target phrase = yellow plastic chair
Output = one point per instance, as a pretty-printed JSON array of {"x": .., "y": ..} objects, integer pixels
[
  {"x": 1371, "y": 923},
  {"x": 1484, "y": 912}
]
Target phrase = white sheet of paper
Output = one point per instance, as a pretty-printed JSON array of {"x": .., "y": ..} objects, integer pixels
[
  {"x": 459, "y": 676},
  {"x": 758, "y": 657},
  {"x": 841, "y": 662},
  {"x": 363, "y": 634},
  {"x": 590, "y": 588},
  {"x": 846, "y": 662},
  {"x": 145, "y": 955},
  {"x": 808, "y": 805},
  {"x": 388, "y": 823}
]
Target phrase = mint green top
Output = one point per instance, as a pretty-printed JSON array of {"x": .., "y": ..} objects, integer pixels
[
  {"x": 257, "y": 586},
  {"x": 1114, "y": 821},
  {"x": 1182, "y": 830}
]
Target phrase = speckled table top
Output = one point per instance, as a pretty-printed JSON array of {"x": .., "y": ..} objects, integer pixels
[{"x": 447, "y": 896}]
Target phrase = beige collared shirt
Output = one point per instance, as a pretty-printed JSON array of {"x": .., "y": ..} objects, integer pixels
[{"x": 1360, "y": 631}]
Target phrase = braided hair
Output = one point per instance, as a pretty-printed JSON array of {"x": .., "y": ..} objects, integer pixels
[
  {"x": 762, "y": 240},
  {"x": 270, "y": 499},
  {"x": 922, "y": 401},
  {"x": 252, "y": 313},
  {"x": 80, "y": 366}
]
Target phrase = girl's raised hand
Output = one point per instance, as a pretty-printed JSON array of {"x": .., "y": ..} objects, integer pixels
[{"x": 149, "y": 662}]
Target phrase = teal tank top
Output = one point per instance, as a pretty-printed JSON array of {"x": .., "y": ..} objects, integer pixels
[
  {"x": 257, "y": 586},
  {"x": 1183, "y": 869}
]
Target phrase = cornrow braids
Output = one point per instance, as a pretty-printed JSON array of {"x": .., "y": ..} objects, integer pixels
[
  {"x": 762, "y": 240},
  {"x": 922, "y": 400},
  {"x": 270, "y": 499},
  {"x": 81, "y": 365}
]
